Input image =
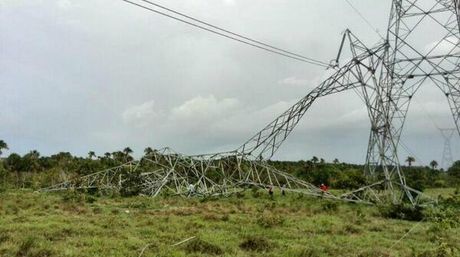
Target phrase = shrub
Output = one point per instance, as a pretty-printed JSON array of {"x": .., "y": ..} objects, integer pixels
[
  {"x": 446, "y": 214},
  {"x": 200, "y": 246},
  {"x": 443, "y": 250},
  {"x": 402, "y": 211},
  {"x": 255, "y": 243},
  {"x": 130, "y": 184},
  {"x": 440, "y": 183}
]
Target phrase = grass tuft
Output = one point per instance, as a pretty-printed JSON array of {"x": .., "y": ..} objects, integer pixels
[
  {"x": 256, "y": 243},
  {"x": 269, "y": 220},
  {"x": 200, "y": 246}
]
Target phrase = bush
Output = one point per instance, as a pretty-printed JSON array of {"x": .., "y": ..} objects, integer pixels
[
  {"x": 446, "y": 214},
  {"x": 402, "y": 211},
  {"x": 440, "y": 183},
  {"x": 131, "y": 184},
  {"x": 443, "y": 250}
]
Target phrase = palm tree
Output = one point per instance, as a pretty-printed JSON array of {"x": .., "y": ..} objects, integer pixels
[
  {"x": 148, "y": 150},
  {"x": 410, "y": 160},
  {"x": 91, "y": 154},
  {"x": 31, "y": 161},
  {"x": 336, "y": 161},
  {"x": 314, "y": 159},
  {"x": 3, "y": 146},
  {"x": 34, "y": 154},
  {"x": 434, "y": 164},
  {"x": 127, "y": 151}
]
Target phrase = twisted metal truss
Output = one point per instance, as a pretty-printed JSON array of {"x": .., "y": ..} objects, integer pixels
[
  {"x": 422, "y": 47},
  {"x": 170, "y": 173}
]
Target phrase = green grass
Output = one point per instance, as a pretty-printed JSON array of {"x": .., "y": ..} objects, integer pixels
[{"x": 66, "y": 224}]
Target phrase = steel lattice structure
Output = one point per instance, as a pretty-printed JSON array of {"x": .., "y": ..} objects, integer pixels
[
  {"x": 447, "y": 158},
  {"x": 385, "y": 76}
]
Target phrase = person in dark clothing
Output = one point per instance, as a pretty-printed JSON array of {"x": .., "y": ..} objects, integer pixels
[{"x": 283, "y": 190}]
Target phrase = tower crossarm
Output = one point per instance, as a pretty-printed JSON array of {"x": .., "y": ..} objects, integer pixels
[{"x": 265, "y": 143}]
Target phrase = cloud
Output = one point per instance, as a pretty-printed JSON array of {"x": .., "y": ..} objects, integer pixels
[
  {"x": 444, "y": 46},
  {"x": 357, "y": 116},
  {"x": 64, "y": 4},
  {"x": 140, "y": 115},
  {"x": 229, "y": 2},
  {"x": 200, "y": 108},
  {"x": 294, "y": 81}
]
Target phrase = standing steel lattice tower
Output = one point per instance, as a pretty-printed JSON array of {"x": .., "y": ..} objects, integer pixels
[
  {"x": 422, "y": 48},
  {"x": 447, "y": 157}
]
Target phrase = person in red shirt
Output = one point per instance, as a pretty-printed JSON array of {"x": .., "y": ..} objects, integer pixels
[{"x": 323, "y": 188}]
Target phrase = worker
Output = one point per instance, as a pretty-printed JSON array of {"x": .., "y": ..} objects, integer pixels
[
  {"x": 323, "y": 187},
  {"x": 270, "y": 191},
  {"x": 283, "y": 190},
  {"x": 191, "y": 190}
]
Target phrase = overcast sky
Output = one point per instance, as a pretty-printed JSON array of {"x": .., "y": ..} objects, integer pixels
[{"x": 102, "y": 75}]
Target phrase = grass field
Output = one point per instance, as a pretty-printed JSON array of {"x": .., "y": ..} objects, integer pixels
[{"x": 71, "y": 224}]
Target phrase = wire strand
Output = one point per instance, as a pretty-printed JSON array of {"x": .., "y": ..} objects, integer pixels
[
  {"x": 364, "y": 19},
  {"x": 292, "y": 56},
  {"x": 230, "y": 32}
]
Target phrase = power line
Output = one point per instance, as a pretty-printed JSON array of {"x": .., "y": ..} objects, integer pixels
[
  {"x": 407, "y": 149},
  {"x": 232, "y": 33},
  {"x": 364, "y": 18},
  {"x": 427, "y": 114},
  {"x": 232, "y": 36}
]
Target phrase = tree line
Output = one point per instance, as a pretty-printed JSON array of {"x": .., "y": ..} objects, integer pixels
[{"x": 32, "y": 170}]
